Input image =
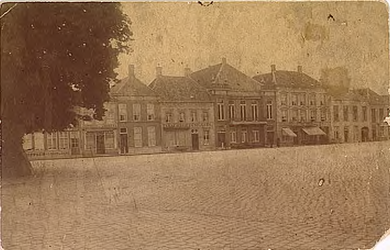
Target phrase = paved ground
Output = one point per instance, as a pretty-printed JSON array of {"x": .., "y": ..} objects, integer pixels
[{"x": 321, "y": 197}]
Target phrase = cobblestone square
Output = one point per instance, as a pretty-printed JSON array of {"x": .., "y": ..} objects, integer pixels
[{"x": 315, "y": 197}]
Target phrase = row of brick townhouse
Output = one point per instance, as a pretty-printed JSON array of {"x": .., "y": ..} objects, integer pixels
[
  {"x": 358, "y": 115},
  {"x": 302, "y": 111},
  {"x": 220, "y": 107}
]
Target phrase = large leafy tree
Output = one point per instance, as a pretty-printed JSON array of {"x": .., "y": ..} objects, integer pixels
[{"x": 55, "y": 57}]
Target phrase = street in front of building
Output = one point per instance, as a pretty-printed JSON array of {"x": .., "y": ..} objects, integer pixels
[{"x": 313, "y": 197}]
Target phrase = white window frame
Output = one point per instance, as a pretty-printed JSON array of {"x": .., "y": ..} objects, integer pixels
[
  {"x": 138, "y": 143},
  {"x": 150, "y": 112},
  {"x": 136, "y": 112},
  {"x": 256, "y": 135},
  {"x": 122, "y": 112},
  {"x": 255, "y": 111},
  {"x": 151, "y": 136}
]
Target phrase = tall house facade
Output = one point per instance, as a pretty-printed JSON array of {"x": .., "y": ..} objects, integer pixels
[
  {"x": 358, "y": 116},
  {"x": 302, "y": 107},
  {"x": 350, "y": 113},
  {"x": 238, "y": 113},
  {"x": 187, "y": 113},
  {"x": 138, "y": 116}
]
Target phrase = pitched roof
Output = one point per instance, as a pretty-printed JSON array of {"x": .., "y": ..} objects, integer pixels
[
  {"x": 223, "y": 75},
  {"x": 131, "y": 87},
  {"x": 288, "y": 79},
  {"x": 371, "y": 96},
  {"x": 347, "y": 95},
  {"x": 179, "y": 88}
]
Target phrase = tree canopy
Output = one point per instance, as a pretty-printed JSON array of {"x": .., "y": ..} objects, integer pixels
[{"x": 57, "y": 56}]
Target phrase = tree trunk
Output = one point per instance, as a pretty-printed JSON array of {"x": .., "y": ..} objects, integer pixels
[{"x": 14, "y": 160}]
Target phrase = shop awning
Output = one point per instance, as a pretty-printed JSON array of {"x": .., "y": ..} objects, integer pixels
[
  {"x": 313, "y": 131},
  {"x": 288, "y": 132}
]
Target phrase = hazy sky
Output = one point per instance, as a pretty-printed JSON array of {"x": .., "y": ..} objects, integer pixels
[{"x": 252, "y": 36}]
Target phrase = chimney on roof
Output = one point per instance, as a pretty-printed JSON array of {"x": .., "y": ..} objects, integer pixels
[
  {"x": 187, "y": 71},
  {"x": 299, "y": 69},
  {"x": 273, "y": 71},
  {"x": 223, "y": 60},
  {"x": 158, "y": 71},
  {"x": 131, "y": 72}
]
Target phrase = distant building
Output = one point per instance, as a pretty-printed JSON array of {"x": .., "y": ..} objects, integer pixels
[
  {"x": 350, "y": 117},
  {"x": 138, "y": 116},
  {"x": 302, "y": 106},
  {"x": 131, "y": 125},
  {"x": 187, "y": 113},
  {"x": 239, "y": 117}
]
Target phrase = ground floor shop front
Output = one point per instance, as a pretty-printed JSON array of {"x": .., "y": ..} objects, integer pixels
[
  {"x": 302, "y": 135},
  {"x": 241, "y": 136}
]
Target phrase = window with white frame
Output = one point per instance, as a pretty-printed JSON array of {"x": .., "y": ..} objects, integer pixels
[
  {"x": 322, "y": 99},
  {"x": 255, "y": 111},
  {"x": 256, "y": 135},
  {"x": 63, "y": 140},
  {"x": 150, "y": 111},
  {"x": 323, "y": 114},
  {"x": 109, "y": 141},
  {"x": 364, "y": 111},
  {"x": 303, "y": 115},
  {"x": 206, "y": 137},
  {"x": 182, "y": 117},
  {"x": 168, "y": 117},
  {"x": 231, "y": 110},
  {"x": 136, "y": 112},
  {"x": 243, "y": 110},
  {"x": 137, "y": 137},
  {"x": 346, "y": 113},
  {"x": 336, "y": 114},
  {"x": 221, "y": 110},
  {"x": 244, "y": 135},
  {"x": 194, "y": 117},
  {"x": 294, "y": 99},
  {"x": 283, "y": 98},
  {"x": 151, "y": 136},
  {"x": 233, "y": 137},
  {"x": 269, "y": 110},
  {"x": 336, "y": 132},
  {"x": 284, "y": 115},
  {"x": 312, "y": 99},
  {"x": 302, "y": 99},
  {"x": 122, "y": 109},
  {"x": 313, "y": 115},
  {"x": 294, "y": 115},
  {"x": 51, "y": 140},
  {"x": 205, "y": 116}
]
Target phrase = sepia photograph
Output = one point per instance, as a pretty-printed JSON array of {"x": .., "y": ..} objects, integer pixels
[{"x": 245, "y": 125}]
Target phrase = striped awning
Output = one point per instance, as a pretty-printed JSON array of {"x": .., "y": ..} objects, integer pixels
[
  {"x": 288, "y": 132},
  {"x": 313, "y": 131}
]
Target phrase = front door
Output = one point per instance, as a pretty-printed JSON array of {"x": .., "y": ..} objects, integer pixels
[
  {"x": 74, "y": 143},
  {"x": 195, "y": 141},
  {"x": 365, "y": 134},
  {"x": 123, "y": 144},
  {"x": 100, "y": 149},
  {"x": 221, "y": 140}
]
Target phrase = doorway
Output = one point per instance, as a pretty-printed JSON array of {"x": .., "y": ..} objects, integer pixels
[
  {"x": 124, "y": 147},
  {"x": 195, "y": 141},
  {"x": 365, "y": 133},
  {"x": 74, "y": 146},
  {"x": 221, "y": 140},
  {"x": 100, "y": 149}
]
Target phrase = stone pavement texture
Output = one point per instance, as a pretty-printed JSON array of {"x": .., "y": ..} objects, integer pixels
[{"x": 318, "y": 197}]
